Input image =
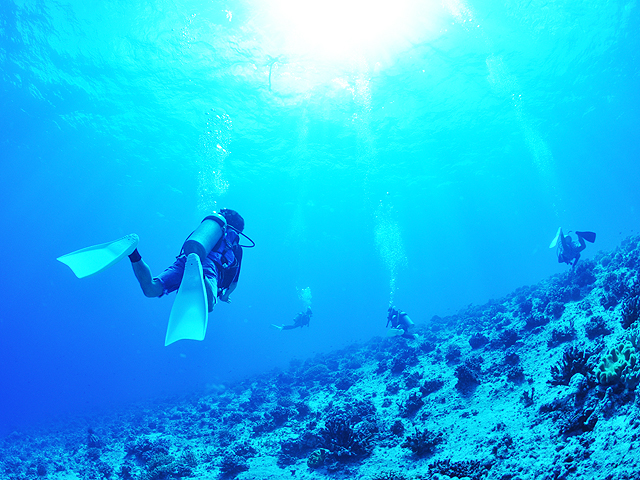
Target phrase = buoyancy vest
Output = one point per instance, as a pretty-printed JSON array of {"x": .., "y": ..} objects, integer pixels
[{"x": 224, "y": 256}]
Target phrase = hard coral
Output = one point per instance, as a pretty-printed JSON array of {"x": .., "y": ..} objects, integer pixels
[
  {"x": 506, "y": 339},
  {"x": 412, "y": 405},
  {"x": 344, "y": 441},
  {"x": 561, "y": 335},
  {"x": 473, "y": 469},
  {"x": 631, "y": 306},
  {"x": 422, "y": 443},
  {"x": 468, "y": 376},
  {"x": 596, "y": 327},
  {"x": 478, "y": 340},
  {"x": 233, "y": 464},
  {"x": 292, "y": 450},
  {"x": 573, "y": 361}
]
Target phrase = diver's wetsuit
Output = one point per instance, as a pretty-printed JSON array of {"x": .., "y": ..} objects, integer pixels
[
  {"x": 301, "y": 320},
  {"x": 568, "y": 251},
  {"x": 399, "y": 320}
]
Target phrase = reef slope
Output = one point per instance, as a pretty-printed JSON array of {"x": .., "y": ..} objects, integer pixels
[{"x": 540, "y": 384}]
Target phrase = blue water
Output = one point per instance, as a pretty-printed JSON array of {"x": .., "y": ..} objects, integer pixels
[{"x": 428, "y": 161}]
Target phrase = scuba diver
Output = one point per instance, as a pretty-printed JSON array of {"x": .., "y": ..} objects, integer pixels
[
  {"x": 567, "y": 250},
  {"x": 301, "y": 319},
  {"x": 207, "y": 268},
  {"x": 400, "y": 323}
]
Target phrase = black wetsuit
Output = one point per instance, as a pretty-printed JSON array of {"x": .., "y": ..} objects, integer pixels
[
  {"x": 301, "y": 320},
  {"x": 568, "y": 251}
]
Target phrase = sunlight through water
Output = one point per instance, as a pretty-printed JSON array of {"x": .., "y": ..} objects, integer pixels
[{"x": 341, "y": 30}]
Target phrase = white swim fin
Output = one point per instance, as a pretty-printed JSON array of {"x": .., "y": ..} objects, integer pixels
[
  {"x": 554, "y": 242},
  {"x": 91, "y": 260},
  {"x": 189, "y": 314},
  {"x": 395, "y": 332}
]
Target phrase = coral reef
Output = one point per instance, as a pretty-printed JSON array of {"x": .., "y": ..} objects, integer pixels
[
  {"x": 422, "y": 442},
  {"x": 473, "y": 469},
  {"x": 573, "y": 361},
  {"x": 344, "y": 438},
  {"x": 620, "y": 365},
  {"x": 468, "y": 376},
  {"x": 631, "y": 306},
  {"x": 540, "y": 384}
]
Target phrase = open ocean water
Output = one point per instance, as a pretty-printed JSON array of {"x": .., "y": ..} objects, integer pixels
[{"x": 416, "y": 152}]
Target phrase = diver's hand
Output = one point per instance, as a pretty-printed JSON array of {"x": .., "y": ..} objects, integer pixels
[{"x": 225, "y": 298}]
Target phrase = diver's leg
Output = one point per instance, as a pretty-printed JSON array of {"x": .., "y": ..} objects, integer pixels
[
  {"x": 211, "y": 285},
  {"x": 151, "y": 287}
]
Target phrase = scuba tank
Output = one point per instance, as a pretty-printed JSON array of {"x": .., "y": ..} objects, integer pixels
[{"x": 205, "y": 237}]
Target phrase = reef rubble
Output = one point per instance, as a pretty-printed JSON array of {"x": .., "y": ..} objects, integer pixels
[{"x": 540, "y": 384}]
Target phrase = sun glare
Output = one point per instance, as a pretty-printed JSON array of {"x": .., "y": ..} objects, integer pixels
[{"x": 347, "y": 28}]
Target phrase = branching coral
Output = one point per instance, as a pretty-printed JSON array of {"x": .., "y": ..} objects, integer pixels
[
  {"x": 343, "y": 440},
  {"x": 631, "y": 306},
  {"x": 573, "y": 361},
  {"x": 422, "y": 443}
]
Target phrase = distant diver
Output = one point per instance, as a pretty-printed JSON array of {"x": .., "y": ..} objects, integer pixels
[
  {"x": 400, "y": 323},
  {"x": 567, "y": 250},
  {"x": 302, "y": 319},
  {"x": 209, "y": 262}
]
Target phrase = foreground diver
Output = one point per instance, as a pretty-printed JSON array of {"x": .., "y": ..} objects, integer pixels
[
  {"x": 301, "y": 319},
  {"x": 567, "y": 250},
  {"x": 400, "y": 323},
  {"x": 207, "y": 268}
]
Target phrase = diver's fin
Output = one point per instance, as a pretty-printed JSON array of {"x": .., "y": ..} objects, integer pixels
[
  {"x": 189, "y": 315},
  {"x": 554, "y": 242},
  {"x": 276, "y": 326},
  {"x": 395, "y": 332},
  {"x": 588, "y": 236},
  {"x": 91, "y": 260}
]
